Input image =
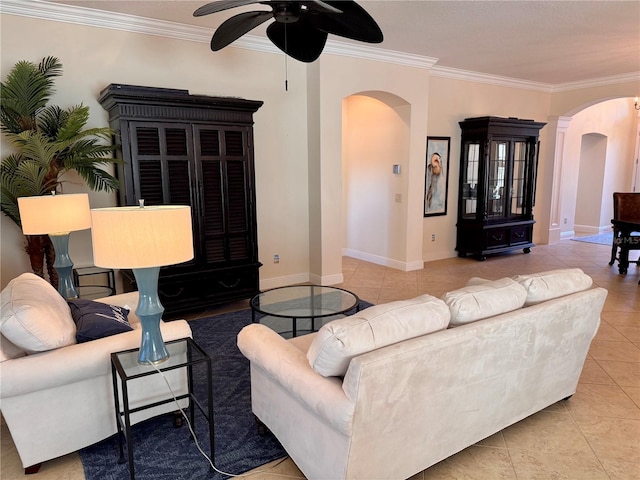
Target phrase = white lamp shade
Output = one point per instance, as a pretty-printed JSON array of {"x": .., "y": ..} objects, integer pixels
[
  {"x": 141, "y": 237},
  {"x": 51, "y": 214}
]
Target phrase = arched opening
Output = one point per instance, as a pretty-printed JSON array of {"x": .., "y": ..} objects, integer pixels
[
  {"x": 375, "y": 138},
  {"x": 595, "y": 150}
]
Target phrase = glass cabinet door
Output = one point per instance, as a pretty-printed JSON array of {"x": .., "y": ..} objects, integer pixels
[
  {"x": 519, "y": 178},
  {"x": 496, "y": 193},
  {"x": 470, "y": 180}
]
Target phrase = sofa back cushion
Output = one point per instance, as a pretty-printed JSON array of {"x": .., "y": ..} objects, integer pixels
[
  {"x": 35, "y": 317},
  {"x": 487, "y": 299},
  {"x": 337, "y": 342},
  {"x": 545, "y": 286}
]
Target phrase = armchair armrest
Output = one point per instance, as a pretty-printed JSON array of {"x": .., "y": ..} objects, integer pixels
[
  {"x": 76, "y": 362},
  {"x": 288, "y": 367}
]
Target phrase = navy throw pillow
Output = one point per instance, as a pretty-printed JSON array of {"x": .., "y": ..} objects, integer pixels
[{"x": 97, "y": 320}]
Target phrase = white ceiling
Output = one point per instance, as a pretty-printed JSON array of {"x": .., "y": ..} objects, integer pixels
[{"x": 551, "y": 42}]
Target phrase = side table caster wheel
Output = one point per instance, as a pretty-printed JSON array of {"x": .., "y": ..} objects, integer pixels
[{"x": 526, "y": 250}]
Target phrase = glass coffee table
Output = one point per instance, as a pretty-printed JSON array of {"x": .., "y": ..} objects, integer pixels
[{"x": 304, "y": 304}]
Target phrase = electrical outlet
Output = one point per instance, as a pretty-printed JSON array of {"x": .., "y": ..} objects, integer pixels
[
  {"x": 565, "y": 220},
  {"x": 276, "y": 258},
  {"x": 433, "y": 237},
  {"x": 398, "y": 198}
]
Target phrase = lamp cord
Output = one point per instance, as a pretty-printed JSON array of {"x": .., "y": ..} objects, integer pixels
[{"x": 195, "y": 439}]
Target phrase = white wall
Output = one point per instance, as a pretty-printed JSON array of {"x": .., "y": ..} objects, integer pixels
[
  {"x": 615, "y": 123},
  {"x": 341, "y": 77},
  {"x": 591, "y": 172},
  {"x": 375, "y": 136},
  {"x": 298, "y": 134}
]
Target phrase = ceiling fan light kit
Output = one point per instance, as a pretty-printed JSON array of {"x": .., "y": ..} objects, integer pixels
[{"x": 300, "y": 28}]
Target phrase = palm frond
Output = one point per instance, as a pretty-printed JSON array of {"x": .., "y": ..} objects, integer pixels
[
  {"x": 50, "y": 119},
  {"x": 50, "y": 67},
  {"x": 25, "y": 91},
  {"x": 96, "y": 178},
  {"x": 21, "y": 177}
]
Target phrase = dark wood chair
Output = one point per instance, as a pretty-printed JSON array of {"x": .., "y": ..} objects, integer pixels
[{"x": 626, "y": 228}]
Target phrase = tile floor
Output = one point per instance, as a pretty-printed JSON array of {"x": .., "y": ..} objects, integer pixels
[{"x": 594, "y": 435}]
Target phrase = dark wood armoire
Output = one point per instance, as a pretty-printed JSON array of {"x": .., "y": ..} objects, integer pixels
[{"x": 195, "y": 150}]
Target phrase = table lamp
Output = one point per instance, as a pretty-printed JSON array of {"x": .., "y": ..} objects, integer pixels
[
  {"x": 57, "y": 216},
  {"x": 144, "y": 239}
]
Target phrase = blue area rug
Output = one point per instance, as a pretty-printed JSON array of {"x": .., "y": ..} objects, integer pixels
[
  {"x": 602, "y": 239},
  {"x": 162, "y": 451}
]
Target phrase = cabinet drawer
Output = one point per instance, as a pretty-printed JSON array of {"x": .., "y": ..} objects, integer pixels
[
  {"x": 201, "y": 289},
  {"x": 497, "y": 237},
  {"x": 520, "y": 234}
]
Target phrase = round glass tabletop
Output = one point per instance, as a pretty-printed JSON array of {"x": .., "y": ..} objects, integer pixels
[{"x": 304, "y": 302}]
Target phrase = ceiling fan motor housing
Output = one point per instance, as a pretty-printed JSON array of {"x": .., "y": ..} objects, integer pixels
[{"x": 286, "y": 12}]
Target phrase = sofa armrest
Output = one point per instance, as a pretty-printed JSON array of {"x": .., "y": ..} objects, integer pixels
[
  {"x": 289, "y": 367},
  {"x": 75, "y": 362}
]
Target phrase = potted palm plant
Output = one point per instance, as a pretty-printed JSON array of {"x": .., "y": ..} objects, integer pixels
[{"x": 47, "y": 141}]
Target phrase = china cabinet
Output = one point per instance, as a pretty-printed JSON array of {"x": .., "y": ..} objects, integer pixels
[
  {"x": 498, "y": 162},
  {"x": 178, "y": 148}
]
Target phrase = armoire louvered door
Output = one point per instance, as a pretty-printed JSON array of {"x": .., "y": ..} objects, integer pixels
[{"x": 192, "y": 150}]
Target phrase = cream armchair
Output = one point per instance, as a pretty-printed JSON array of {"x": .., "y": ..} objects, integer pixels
[{"x": 58, "y": 401}]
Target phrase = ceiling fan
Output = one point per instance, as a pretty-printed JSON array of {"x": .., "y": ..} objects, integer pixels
[{"x": 301, "y": 27}]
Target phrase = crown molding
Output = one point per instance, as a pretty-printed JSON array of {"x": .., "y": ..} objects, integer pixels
[
  {"x": 337, "y": 47},
  {"x": 476, "y": 77},
  {"x": 99, "y": 18},
  {"x": 598, "y": 82}
]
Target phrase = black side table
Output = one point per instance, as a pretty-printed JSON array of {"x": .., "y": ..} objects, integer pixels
[
  {"x": 95, "y": 290},
  {"x": 125, "y": 369}
]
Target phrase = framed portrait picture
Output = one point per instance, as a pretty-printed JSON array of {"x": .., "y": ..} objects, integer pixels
[{"x": 436, "y": 176}]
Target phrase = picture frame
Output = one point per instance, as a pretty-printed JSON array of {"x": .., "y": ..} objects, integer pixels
[{"x": 436, "y": 176}]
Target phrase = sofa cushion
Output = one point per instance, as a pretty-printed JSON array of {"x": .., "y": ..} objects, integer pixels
[
  {"x": 35, "y": 317},
  {"x": 97, "y": 319},
  {"x": 337, "y": 342},
  {"x": 487, "y": 299},
  {"x": 545, "y": 286}
]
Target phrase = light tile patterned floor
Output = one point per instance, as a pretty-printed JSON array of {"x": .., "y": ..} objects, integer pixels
[{"x": 594, "y": 435}]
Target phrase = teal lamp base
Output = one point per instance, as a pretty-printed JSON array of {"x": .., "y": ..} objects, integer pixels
[
  {"x": 149, "y": 311},
  {"x": 63, "y": 265}
]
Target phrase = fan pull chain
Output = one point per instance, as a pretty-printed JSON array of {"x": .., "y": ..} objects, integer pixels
[{"x": 286, "y": 64}]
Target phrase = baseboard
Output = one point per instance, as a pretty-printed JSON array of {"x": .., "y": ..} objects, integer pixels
[
  {"x": 591, "y": 230},
  {"x": 384, "y": 261},
  {"x": 569, "y": 234},
  {"x": 555, "y": 235},
  {"x": 327, "y": 279},
  {"x": 268, "y": 283}
]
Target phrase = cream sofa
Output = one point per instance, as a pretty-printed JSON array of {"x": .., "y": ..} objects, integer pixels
[
  {"x": 60, "y": 400},
  {"x": 376, "y": 395}
]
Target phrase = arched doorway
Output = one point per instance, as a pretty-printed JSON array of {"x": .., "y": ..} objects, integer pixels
[
  {"x": 375, "y": 138},
  {"x": 608, "y": 130}
]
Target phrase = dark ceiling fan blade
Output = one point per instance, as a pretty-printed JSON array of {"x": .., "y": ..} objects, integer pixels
[
  {"x": 320, "y": 6},
  {"x": 236, "y": 26},
  {"x": 221, "y": 5},
  {"x": 354, "y": 22},
  {"x": 299, "y": 40}
]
